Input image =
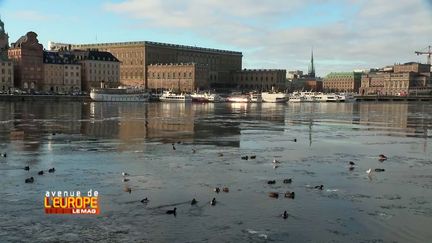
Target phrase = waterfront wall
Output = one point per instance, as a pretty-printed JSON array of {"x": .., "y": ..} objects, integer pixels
[{"x": 45, "y": 98}]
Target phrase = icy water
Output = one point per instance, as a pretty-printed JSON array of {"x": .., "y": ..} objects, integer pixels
[{"x": 94, "y": 142}]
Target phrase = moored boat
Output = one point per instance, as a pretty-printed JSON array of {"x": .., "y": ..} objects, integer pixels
[
  {"x": 120, "y": 94},
  {"x": 169, "y": 96},
  {"x": 274, "y": 97}
]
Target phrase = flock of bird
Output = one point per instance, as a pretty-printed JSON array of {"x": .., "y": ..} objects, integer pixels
[
  {"x": 41, "y": 172},
  {"x": 288, "y": 194},
  {"x": 275, "y": 162}
]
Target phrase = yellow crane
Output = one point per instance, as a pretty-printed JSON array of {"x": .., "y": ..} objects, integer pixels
[{"x": 427, "y": 52}]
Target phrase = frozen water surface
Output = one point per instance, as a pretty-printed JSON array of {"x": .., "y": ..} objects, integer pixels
[{"x": 90, "y": 145}]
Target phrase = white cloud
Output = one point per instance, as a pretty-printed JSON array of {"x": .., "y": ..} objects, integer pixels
[{"x": 280, "y": 34}]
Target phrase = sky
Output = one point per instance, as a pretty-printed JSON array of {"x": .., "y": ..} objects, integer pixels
[{"x": 345, "y": 35}]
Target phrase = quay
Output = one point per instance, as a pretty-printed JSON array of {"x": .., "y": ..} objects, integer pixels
[
  {"x": 376, "y": 98},
  {"x": 48, "y": 98}
]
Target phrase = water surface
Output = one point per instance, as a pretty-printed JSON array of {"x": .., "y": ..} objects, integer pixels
[{"x": 90, "y": 144}]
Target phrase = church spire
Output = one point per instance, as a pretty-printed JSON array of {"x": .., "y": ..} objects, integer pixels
[{"x": 311, "y": 71}]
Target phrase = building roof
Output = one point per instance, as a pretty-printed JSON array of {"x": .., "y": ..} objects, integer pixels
[
  {"x": 94, "y": 55},
  {"x": 53, "y": 57},
  {"x": 260, "y": 70},
  {"x": 152, "y": 43},
  {"x": 342, "y": 74}
]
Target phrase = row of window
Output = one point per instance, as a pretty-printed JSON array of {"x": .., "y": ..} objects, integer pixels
[
  {"x": 9, "y": 79},
  {"x": 3, "y": 71},
  {"x": 8, "y": 64},
  {"x": 251, "y": 78},
  {"x": 170, "y": 75}
]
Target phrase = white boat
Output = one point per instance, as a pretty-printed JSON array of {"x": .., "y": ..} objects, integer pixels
[
  {"x": 215, "y": 98},
  {"x": 239, "y": 98},
  {"x": 346, "y": 97},
  {"x": 322, "y": 97},
  {"x": 274, "y": 97},
  {"x": 255, "y": 98},
  {"x": 206, "y": 97},
  {"x": 120, "y": 94},
  {"x": 169, "y": 96},
  {"x": 199, "y": 97},
  {"x": 296, "y": 99}
]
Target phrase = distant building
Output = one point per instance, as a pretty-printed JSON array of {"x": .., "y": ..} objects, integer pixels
[
  {"x": 6, "y": 66},
  {"x": 260, "y": 79},
  {"x": 97, "y": 66},
  {"x": 182, "y": 77},
  {"x": 402, "y": 79},
  {"x": 27, "y": 56},
  {"x": 62, "y": 73},
  {"x": 297, "y": 80},
  {"x": 136, "y": 58},
  {"x": 342, "y": 82},
  {"x": 294, "y": 74}
]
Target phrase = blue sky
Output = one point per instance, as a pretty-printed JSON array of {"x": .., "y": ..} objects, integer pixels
[{"x": 345, "y": 35}]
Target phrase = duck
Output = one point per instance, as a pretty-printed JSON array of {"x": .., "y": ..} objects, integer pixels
[
  {"x": 290, "y": 195},
  {"x": 287, "y": 181},
  {"x": 285, "y": 215},
  {"x": 273, "y": 194},
  {"x": 4, "y": 155},
  {"x": 145, "y": 200},
  {"x": 29, "y": 180},
  {"x": 245, "y": 157},
  {"x": 52, "y": 170},
  {"x": 351, "y": 163},
  {"x": 225, "y": 189},
  {"x": 213, "y": 201},
  {"x": 275, "y": 161},
  {"x": 178, "y": 142},
  {"x": 194, "y": 201},
  {"x": 271, "y": 182},
  {"x": 220, "y": 154},
  {"x": 174, "y": 148},
  {"x": 128, "y": 189},
  {"x": 217, "y": 189},
  {"x": 124, "y": 174},
  {"x": 382, "y": 157},
  {"x": 369, "y": 171},
  {"x": 125, "y": 179},
  {"x": 27, "y": 167},
  {"x": 320, "y": 187},
  {"x": 275, "y": 166},
  {"x": 193, "y": 151},
  {"x": 172, "y": 211},
  {"x": 295, "y": 140},
  {"x": 40, "y": 172},
  {"x": 253, "y": 157},
  {"x": 379, "y": 170}
]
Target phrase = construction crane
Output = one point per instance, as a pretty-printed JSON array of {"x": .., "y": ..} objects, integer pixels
[{"x": 428, "y": 52}]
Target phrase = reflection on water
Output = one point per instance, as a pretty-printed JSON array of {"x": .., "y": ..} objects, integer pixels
[{"x": 91, "y": 143}]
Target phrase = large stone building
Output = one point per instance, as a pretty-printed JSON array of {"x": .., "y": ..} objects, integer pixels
[
  {"x": 62, "y": 73},
  {"x": 136, "y": 57},
  {"x": 27, "y": 56},
  {"x": 260, "y": 79},
  {"x": 342, "y": 82},
  {"x": 183, "y": 77},
  {"x": 402, "y": 79},
  {"x": 97, "y": 67}
]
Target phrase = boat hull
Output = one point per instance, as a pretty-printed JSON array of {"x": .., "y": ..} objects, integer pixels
[{"x": 101, "y": 97}]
